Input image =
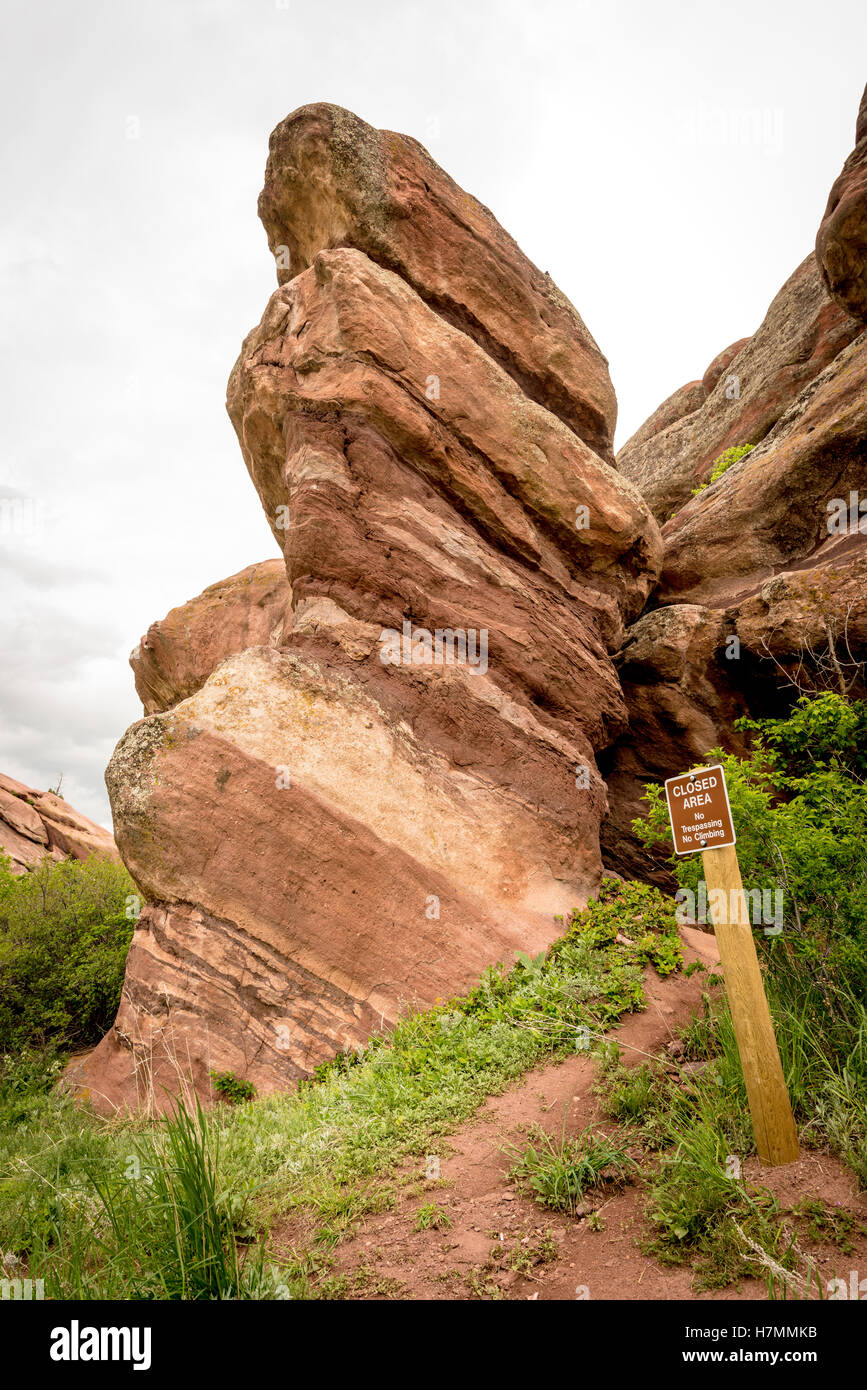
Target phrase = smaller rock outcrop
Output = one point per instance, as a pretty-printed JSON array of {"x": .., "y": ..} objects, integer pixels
[
  {"x": 720, "y": 363},
  {"x": 684, "y": 401},
  {"x": 779, "y": 507},
  {"x": 802, "y": 332},
  {"x": 177, "y": 655},
  {"x": 38, "y": 825}
]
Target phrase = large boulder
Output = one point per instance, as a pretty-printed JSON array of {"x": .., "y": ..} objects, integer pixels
[
  {"x": 810, "y": 624},
  {"x": 841, "y": 243},
  {"x": 802, "y": 332},
  {"x": 332, "y": 180},
  {"x": 37, "y": 825},
  {"x": 177, "y": 654},
  {"x": 360, "y": 812}
]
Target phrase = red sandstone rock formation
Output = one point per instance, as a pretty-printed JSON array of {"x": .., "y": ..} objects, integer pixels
[
  {"x": 37, "y": 825},
  {"x": 802, "y": 332},
  {"x": 332, "y": 180},
  {"x": 401, "y": 787},
  {"x": 764, "y": 583},
  {"x": 329, "y": 817}
]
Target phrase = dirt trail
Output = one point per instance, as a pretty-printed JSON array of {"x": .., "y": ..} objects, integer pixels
[{"x": 389, "y": 1257}]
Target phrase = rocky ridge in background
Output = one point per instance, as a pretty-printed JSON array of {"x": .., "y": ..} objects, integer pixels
[{"x": 37, "y": 825}]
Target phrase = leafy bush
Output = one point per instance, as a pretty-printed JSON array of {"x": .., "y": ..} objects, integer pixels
[
  {"x": 799, "y": 802},
  {"x": 64, "y": 937},
  {"x": 724, "y": 462},
  {"x": 231, "y": 1087}
]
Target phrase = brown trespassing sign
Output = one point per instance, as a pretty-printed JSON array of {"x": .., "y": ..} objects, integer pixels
[{"x": 699, "y": 811}]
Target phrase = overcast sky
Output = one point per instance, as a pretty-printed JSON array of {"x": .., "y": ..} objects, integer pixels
[{"x": 668, "y": 163}]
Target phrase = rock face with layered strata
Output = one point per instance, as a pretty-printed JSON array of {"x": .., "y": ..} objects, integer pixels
[
  {"x": 402, "y": 788},
  {"x": 764, "y": 585},
  {"x": 802, "y": 332},
  {"x": 332, "y": 181},
  {"x": 37, "y": 825},
  {"x": 775, "y": 508}
]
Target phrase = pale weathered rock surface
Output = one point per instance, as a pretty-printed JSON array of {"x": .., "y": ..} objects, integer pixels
[
  {"x": 841, "y": 244},
  {"x": 344, "y": 870},
  {"x": 332, "y": 180},
  {"x": 36, "y": 825},
  {"x": 176, "y": 656},
  {"x": 802, "y": 332}
]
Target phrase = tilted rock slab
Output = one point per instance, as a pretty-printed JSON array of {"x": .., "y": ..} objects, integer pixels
[
  {"x": 332, "y": 180},
  {"x": 403, "y": 789}
]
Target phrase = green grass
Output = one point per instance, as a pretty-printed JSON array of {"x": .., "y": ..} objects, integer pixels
[
  {"x": 694, "y": 1125},
  {"x": 559, "y": 1174},
  {"x": 431, "y": 1217},
  {"x": 121, "y": 1209}
]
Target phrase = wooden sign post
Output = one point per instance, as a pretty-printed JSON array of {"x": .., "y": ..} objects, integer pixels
[{"x": 701, "y": 820}]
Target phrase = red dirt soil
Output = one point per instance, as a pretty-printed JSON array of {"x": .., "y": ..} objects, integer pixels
[{"x": 486, "y": 1211}]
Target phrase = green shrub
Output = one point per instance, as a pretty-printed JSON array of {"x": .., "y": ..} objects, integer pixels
[
  {"x": 65, "y": 931},
  {"x": 799, "y": 802},
  {"x": 724, "y": 461},
  {"x": 231, "y": 1087}
]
